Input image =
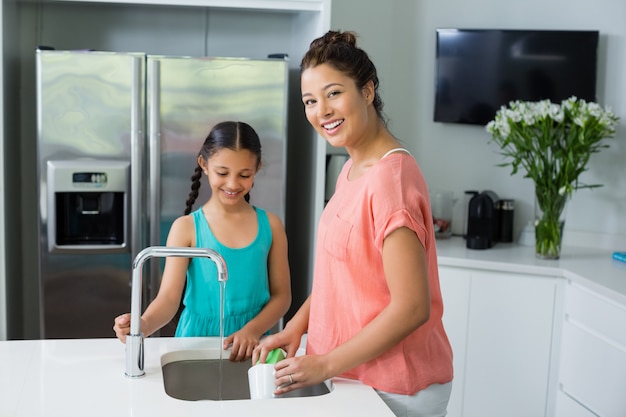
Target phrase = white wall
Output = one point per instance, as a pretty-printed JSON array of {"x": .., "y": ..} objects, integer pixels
[{"x": 401, "y": 41}]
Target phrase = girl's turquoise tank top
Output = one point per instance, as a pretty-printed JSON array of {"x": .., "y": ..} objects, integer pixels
[{"x": 247, "y": 287}]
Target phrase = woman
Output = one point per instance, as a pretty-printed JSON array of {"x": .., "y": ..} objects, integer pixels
[{"x": 374, "y": 313}]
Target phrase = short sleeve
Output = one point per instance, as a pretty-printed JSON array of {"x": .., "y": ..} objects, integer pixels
[{"x": 400, "y": 200}]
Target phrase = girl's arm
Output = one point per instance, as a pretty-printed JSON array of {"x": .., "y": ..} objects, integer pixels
[
  {"x": 279, "y": 281},
  {"x": 163, "y": 308},
  {"x": 280, "y": 294}
]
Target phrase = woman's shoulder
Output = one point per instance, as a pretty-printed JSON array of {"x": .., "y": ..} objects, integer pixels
[
  {"x": 397, "y": 181},
  {"x": 395, "y": 169}
]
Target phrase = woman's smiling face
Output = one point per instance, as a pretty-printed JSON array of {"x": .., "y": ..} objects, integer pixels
[{"x": 334, "y": 105}]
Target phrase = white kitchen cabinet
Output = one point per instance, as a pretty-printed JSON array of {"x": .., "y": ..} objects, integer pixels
[
  {"x": 509, "y": 345},
  {"x": 504, "y": 332},
  {"x": 593, "y": 356},
  {"x": 455, "y": 290}
]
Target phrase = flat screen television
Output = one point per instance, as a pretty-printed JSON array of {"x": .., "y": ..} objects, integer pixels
[{"x": 479, "y": 70}]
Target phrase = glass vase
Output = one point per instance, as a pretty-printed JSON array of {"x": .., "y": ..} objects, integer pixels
[{"x": 549, "y": 222}]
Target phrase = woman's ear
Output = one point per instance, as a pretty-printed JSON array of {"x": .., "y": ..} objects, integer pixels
[{"x": 369, "y": 91}]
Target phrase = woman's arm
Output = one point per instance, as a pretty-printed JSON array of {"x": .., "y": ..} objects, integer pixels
[
  {"x": 406, "y": 272},
  {"x": 288, "y": 339}
]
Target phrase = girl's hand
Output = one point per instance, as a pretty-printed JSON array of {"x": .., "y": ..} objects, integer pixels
[
  {"x": 121, "y": 326},
  {"x": 243, "y": 344}
]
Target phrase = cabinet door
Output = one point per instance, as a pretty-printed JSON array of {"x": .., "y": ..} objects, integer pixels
[
  {"x": 593, "y": 358},
  {"x": 567, "y": 407},
  {"x": 455, "y": 287},
  {"x": 509, "y": 345}
]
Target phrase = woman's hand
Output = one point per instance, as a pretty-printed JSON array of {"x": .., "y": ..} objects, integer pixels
[
  {"x": 289, "y": 370},
  {"x": 299, "y": 372},
  {"x": 287, "y": 340}
]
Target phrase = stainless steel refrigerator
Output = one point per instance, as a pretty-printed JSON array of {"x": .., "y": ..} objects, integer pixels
[{"x": 118, "y": 139}]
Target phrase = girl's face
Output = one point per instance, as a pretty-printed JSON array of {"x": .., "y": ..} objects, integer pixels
[
  {"x": 230, "y": 173},
  {"x": 334, "y": 105}
]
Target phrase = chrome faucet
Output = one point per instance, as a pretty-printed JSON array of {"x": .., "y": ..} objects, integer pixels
[{"x": 134, "y": 340}]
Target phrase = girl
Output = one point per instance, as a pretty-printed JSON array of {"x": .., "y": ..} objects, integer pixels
[
  {"x": 375, "y": 309},
  {"x": 252, "y": 242}
]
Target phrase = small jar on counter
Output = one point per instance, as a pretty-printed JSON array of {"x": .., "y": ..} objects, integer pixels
[{"x": 506, "y": 209}]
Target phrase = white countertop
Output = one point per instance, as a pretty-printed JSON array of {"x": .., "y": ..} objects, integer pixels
[
  {"x": 85, "y": 377},
  {"x": 588, "y": 266}
]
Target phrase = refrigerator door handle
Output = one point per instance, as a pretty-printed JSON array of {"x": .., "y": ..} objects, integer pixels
[
  {"x": 154, "y": 150},
  {"x": 154, "y": 174},
  {"x": 136, "y": 153}
]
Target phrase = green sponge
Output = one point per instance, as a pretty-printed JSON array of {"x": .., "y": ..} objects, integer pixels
[{"x": 274, "y": 356}]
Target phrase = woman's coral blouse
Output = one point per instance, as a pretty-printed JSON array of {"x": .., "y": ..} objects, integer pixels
[{"x": 349, "y": 286}]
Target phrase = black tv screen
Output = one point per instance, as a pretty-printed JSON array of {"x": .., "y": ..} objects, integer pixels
[{"x": 480, "y": 70}]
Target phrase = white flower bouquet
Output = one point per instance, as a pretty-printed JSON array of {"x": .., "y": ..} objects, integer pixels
[{"x": 552, "y": 143}]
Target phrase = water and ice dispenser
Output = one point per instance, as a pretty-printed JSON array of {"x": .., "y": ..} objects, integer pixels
[{"x": 88, "y": 205}]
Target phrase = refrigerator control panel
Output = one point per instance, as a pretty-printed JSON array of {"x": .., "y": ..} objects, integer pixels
[{"x": 93, "y": 179}]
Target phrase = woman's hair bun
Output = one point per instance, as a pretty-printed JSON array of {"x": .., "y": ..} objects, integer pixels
[{"x": 333, "y": 36}]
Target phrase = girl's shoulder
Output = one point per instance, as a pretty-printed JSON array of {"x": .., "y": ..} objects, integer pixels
[
  {"x": 274, "y": 221},
  {"x": 182, "y": 232},
  {"x": 184, "y": 221}
]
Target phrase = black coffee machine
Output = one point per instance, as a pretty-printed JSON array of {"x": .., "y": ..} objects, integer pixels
[{"x": 483, "y": 221}]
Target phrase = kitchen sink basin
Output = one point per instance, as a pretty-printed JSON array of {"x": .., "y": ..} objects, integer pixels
[{"x": 194, "y": 375}]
